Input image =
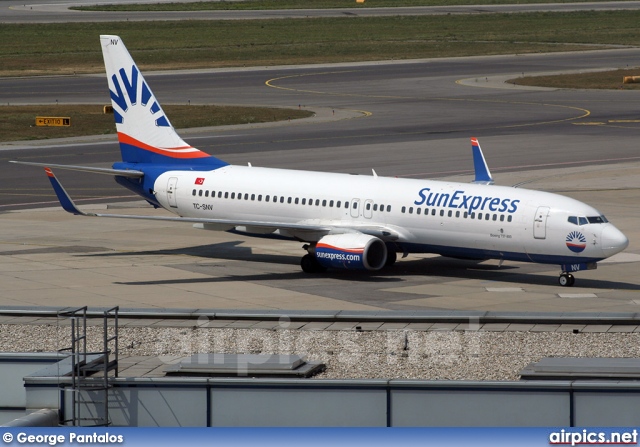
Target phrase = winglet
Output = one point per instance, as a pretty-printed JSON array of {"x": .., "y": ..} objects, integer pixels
[
  {"x": 483, "y": 175},
  {"x": 63, "y": 197}
]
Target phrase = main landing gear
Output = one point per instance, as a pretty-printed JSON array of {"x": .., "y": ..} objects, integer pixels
[
  {"x": 310, "y": 264},
  {"x": 566, "y": 279}
]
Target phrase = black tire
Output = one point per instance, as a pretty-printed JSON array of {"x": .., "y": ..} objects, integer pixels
[
  {"x": 310, "y": 264},
  {"x": 564, "y": 281},
  {"x": 392, "y": 257}
]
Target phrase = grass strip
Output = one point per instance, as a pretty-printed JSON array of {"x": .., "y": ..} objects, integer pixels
[
  {"x": 594, "y": 80},
  {"x": 18, "y": 122},
  {"x": 298, "y": 4},
  {"x": 69, "y": 48}
]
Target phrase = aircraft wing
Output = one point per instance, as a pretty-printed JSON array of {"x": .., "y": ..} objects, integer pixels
[{"x": 380, "y": 231}]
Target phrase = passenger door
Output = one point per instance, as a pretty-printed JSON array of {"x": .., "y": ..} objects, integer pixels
[
  {"x": 171, "y": 192},
  {"x": 540, "y": 222}
]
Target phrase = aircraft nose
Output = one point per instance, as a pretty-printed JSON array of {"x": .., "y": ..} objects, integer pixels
[{"x": 613, "y": 241}]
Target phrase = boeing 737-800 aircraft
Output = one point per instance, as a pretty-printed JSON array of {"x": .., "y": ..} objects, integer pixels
[{"x": 344, "y": 221}]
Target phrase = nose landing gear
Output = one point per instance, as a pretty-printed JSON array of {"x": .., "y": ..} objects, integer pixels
[{"x": 566, "y": 279}]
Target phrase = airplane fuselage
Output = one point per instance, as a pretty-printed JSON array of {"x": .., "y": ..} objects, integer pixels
[{"x": 448, "y": 218}]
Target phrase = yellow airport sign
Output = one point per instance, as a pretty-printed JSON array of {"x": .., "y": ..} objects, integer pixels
[{"x": 53, "y": 121}]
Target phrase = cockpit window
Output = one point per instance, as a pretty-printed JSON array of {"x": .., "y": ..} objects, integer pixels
[
  {"x": 597, "y": 219},
  {"x": 585, "y": 220}
]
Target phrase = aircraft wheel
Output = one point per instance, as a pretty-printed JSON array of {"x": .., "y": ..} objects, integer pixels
[
  {"x": 309, "y": 264},
  {"x": 392, "y": 257},
  {"x": 566, "y": 280}
]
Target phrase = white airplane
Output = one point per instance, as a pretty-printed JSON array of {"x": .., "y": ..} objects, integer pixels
[{"x": 346, "y": 221}]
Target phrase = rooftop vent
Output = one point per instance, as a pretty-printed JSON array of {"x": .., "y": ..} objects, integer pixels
[
  {"x": 245, "y": 365},
  {"x": 582, "y": 368}
]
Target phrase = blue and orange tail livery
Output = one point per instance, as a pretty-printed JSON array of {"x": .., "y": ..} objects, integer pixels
[
  {"x": 482, "y": 173},
  {"x": 145, "y": 133}
]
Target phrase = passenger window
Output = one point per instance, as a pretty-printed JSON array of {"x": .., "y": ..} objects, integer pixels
[
  {"x": 239, "y": 196},
  {"x": 338, "y": 204},
  {"x": 259, "y": 197},
  {"x": 403, "y": 210},
  {"x": 318, "y": 202},
  {"x": 450, "y": 213},
  {"x": 472, "y": 215},
  {"x": 509, "y": 219},
  {"x": 219, "y": 194},
  {"x": 433, "y": 212},
  {"x": 304, "y": 201},
  {"x": 368, "y": 206},
  {"x": 375, "y": 207},
  {"x": 213, "y": 194},
  {"x": 246, "y": 196},
  {"x": 289, "y": 200},
  {"x": 495, "y": 217},
  {"x": 226, "y": 195},
  {"x": 296, "y": 201},
  {"x": 501, "y": 217},
  {"x": 457, "y": 213},
  {"x": 331, "y": 203},
  {"x": 388, "y": 208},
  {"x": 418, "y": 210},
  {"x": 487, "y": 216},
  {"x": 324, "y": 202},
  {"x": 410, "y": 210},
  {"x": 582, "y": 220},
  {"x": 355, "y": 205},
  {"x": 466, "y": 214},
  {"x": 193, "y": 193},
  {"x": 206, "y": 193},
  {"x": 346, "y": 204},
  {"x": 200, "y": 193},
  {"x": 253, "y": 197},
  {"x": 441, "y": 213}
]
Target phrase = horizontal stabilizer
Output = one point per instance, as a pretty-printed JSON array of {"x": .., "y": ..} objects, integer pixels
[
  {"x": 118, "y": 172},
  {"x": 483, "y": 175}
]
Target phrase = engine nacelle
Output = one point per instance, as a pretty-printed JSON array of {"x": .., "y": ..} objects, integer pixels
[{"x": 354, "y": 251}]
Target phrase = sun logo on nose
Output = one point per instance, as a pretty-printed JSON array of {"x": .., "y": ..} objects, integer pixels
[{"x": 576, "y": 242}]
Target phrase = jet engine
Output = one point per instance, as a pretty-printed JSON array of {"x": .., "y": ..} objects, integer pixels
[{"x": 353, "y": 251}]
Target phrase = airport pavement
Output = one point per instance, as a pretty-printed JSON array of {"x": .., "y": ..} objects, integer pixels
[{"x": 51, "y": 258}]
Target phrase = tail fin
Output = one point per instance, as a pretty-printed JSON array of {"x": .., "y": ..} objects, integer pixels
[
  {"x": 144, "y": 131},
  {"x": 483, "y": 175}
]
